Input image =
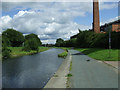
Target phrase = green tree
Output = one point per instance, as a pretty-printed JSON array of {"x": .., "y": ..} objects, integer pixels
[
  {"x": 30, "y": 36},
  {"x": 59, "y": 42},
  {"x": 13, "y": 38},
  {"x": 32, "y": 42}
]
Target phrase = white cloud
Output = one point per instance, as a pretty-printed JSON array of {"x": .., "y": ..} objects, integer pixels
[
  {"x": 111, "y": 5},
  {"x": 49, "y": 28},
  {"x": 109, "y": 20},
  {"x": 48, "y": 20},
  {"x": 5, "y": 22}
]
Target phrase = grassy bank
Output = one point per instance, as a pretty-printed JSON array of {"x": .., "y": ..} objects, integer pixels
[
  {"x": 17, "y": 51},
  {"x": 101, "y": 54},
  {"x": 64, "y": 48}
]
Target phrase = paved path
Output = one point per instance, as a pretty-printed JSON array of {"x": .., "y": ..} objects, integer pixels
[
  {"x": 91, "y": 74},
  {"x": 113, "y": 63}
]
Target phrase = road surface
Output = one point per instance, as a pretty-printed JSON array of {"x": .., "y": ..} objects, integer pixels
[{"x": 90, "y": 73}]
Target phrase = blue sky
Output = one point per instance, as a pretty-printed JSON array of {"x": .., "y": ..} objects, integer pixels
[{"x": 54, "y": 20}]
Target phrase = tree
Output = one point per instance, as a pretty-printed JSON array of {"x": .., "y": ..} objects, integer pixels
[
  {"x": 30, "y": 36},
  {"x": 13, "y": 38},
  {"x": 59, "y": 42},
  {"x": 32, "y": 42}
]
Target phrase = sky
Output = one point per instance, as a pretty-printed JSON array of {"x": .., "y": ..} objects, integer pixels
[{"x": 53, "y": 20}]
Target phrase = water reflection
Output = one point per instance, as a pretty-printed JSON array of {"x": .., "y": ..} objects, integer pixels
[{"x": 31, "y": 71}]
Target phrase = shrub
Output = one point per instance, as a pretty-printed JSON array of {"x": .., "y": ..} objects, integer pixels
[
  {"x": 31, "y": 44},
  {"x": 5, "y": 53}
]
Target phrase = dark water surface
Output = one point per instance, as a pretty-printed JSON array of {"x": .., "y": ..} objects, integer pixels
[{"x": 31, "y": 71}]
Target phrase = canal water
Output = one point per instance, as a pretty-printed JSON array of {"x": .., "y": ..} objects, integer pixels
[{"x": 32, "y": 71}]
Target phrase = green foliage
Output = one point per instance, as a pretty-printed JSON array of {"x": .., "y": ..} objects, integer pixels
[
  {"x": 70, "y": 43},
  {"x": 69, "y": 75},
  {"x": 30, "y": 36},
  {"x": 88, "y": 39},
  {"x": 115, "y": 37},
  {"x": 32, "y": 42},
  {"x": 13, "y": 38},
  {"x": 5, "y": 52},
  {"x": 63, "y": 54},
  {"x": 59, "y": 42}
]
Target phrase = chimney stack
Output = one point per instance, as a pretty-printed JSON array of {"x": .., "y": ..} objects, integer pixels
[{"x": 96, "y": 22}]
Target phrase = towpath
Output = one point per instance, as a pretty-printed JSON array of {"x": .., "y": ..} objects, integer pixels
[{"x": 90, "y": 73}]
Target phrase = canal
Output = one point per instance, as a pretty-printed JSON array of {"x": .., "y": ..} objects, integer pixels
[{"x": 32, "y": 71}]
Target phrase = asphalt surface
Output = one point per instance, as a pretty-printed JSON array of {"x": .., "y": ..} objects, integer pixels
[{"x": 90, "y": 73}]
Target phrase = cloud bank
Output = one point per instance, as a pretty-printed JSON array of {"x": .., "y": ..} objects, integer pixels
[{"x": 48, "y": 20}]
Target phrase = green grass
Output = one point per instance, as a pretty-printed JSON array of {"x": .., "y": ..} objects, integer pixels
[
  {"x": 63, "y": 54},
  {"x": 70, "y": 68},
  {"x": 101, "y": 54},
  {"x": 17, "y": 51},
  {"x": 69, "y": 75}
]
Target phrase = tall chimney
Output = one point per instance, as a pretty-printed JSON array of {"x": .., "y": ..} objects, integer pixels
[{"x": 96, "y": 24}]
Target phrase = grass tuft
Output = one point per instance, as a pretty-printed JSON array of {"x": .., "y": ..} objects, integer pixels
[
  {"x": 63, "y": 54},
  {"x": 69, "y": 75}
]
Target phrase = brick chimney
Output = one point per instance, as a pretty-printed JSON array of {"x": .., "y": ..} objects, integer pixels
[{"x": 96, "y": 24}]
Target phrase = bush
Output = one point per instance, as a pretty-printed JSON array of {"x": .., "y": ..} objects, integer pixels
[
  {"x": 85, "y": 39},
  {"x": 88, "y": 39},
  {"x": 33, "y": 36},
  {"x": 5, "y": 53},
  {"x": 31, "y": 44},
  {"x": 115, "y": 37}
]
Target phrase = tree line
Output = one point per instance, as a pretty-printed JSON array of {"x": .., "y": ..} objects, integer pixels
[
  {"x": 89, "y": 39},
  {"x": 13, "y": 38}
]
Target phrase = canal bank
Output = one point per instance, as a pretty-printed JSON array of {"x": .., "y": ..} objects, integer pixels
[
  {"x": 18, "y": 52},
  {"x": 59, "y": 79}
]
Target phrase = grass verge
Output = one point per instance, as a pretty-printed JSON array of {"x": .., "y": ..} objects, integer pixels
[
  {"x": 63, "y": 54},
  {"x": 68, "y": 83},
  {"x": 70, "y": 68},
  {"x": 17, "y": 51},
  {"x": 101, "y": 54}
]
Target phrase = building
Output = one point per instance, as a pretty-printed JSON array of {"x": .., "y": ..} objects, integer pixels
[{"x": 112, "y": 26}]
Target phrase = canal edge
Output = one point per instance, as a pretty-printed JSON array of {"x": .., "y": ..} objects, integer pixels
[{"x": 59, "y": 79}]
